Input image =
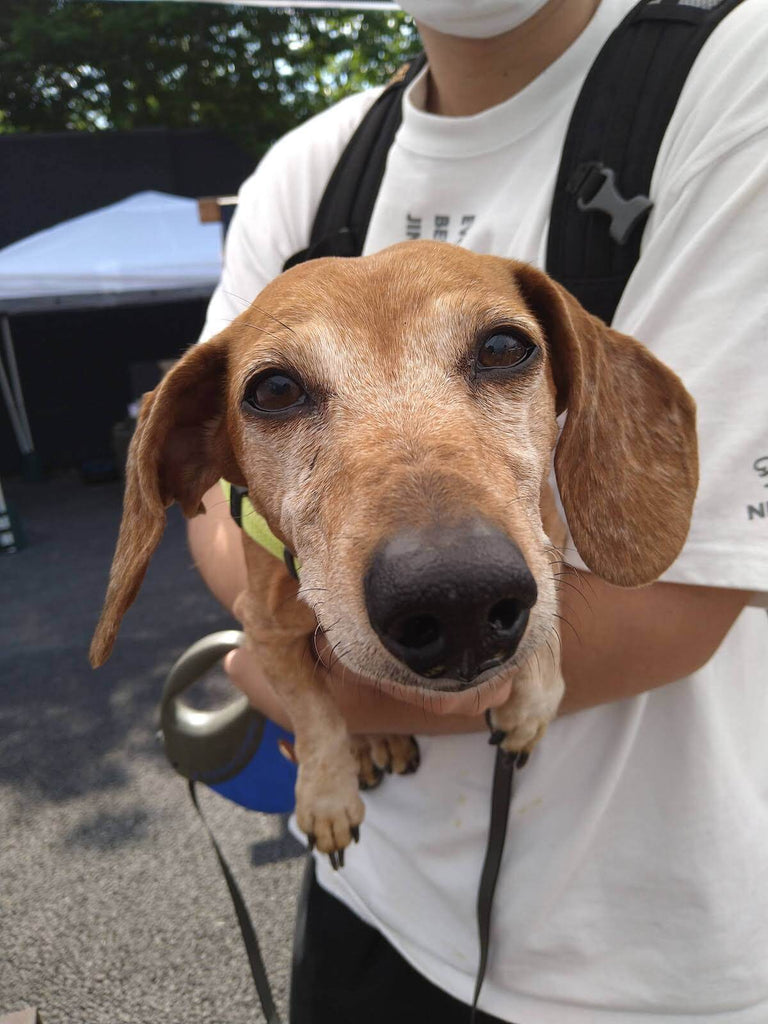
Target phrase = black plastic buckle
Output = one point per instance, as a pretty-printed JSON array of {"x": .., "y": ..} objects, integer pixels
[
  {"x": 594, "y": 186},
  {"x": 236, "y": 495},
  {"x": 290, "y": 563}
]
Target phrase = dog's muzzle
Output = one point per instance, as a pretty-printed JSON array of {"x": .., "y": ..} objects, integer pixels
[{"x": 450, "y": 602}]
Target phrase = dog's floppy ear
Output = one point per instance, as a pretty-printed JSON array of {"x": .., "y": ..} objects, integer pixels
[
  {"x": 179, "y": 450},
  {"x": 627, "y": 460}
]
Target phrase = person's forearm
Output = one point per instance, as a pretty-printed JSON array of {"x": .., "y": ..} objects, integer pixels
[
  {"x": 615, "y": 644},
  {"x": 619, "y": 643}
]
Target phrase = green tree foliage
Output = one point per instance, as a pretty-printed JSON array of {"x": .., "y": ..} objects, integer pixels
[{"x": 252, "y": 73}]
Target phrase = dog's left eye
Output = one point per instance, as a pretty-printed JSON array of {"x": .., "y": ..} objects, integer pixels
[
  {"x": 504, "y": 349},
  {"x": 273, "y": 392}
]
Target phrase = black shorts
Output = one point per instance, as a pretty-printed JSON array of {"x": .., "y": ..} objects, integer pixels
[{"x": 345, "y": 972}]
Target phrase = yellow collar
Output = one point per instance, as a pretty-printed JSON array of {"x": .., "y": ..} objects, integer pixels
[{"x": 255, "y": 525}]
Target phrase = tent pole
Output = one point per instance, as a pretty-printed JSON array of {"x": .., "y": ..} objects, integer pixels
[
  {"x": 13, "y": 369},
  {"x": 24, "y": 443}
]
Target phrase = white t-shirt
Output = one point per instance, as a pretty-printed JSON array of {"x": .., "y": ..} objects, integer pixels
[{"x": 634, "y": 886}]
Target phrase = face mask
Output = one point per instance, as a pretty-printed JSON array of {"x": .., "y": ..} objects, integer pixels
[{"x": 475, "y": 19}]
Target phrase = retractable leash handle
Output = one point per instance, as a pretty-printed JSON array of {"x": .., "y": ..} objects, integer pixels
[{"x": 233, "y": 749}]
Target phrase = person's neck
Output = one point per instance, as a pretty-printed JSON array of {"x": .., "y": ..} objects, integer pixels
[{"x": 467, "y": 76}]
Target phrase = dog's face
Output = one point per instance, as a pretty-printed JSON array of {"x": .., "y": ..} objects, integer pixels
[
  {"x": 394, "y": 419},
  {"x": 403, "y": 402}
]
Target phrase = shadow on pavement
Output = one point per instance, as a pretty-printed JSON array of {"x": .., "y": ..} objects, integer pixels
[{"x": 61, "y": 722}]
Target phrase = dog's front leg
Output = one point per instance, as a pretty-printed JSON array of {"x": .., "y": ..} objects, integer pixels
[
  {"x": 328, "y": 805},
  {"x": 279, "y": 628},
  {"x": 536, "y": 694}
]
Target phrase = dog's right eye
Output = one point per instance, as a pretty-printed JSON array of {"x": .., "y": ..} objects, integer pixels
[{"x": 274, "y": 392}]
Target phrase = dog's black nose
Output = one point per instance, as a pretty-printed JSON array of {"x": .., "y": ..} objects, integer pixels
[{"x": 450, "y": 601}]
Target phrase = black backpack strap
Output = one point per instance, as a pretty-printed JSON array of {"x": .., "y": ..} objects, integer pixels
[
  {"x": 342, "y": 218},
  {"x": 602, "y": 193}
]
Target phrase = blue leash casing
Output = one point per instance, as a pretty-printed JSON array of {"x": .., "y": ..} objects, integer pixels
[{"x": 267, "y": 783}]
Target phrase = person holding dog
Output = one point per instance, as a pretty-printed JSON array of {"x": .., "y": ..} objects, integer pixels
[{"x": 633, "y": 885}]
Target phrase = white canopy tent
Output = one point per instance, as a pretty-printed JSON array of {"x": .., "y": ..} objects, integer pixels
[
  {"x": 310, "y": 5},
  {"x": 142, "y": 247},
  {"x": 146, "y": 249}
]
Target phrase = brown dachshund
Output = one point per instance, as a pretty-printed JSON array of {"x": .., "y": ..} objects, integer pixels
[{"x": 393, "y": 419}]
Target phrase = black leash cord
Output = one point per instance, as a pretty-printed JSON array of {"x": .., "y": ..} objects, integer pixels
[
  {"x": 501, "y": 797},
  {"x": 258, "y": 970}
]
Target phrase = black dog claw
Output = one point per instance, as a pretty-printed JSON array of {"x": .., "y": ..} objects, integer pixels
[
  {"x": 414, "y": 760},
  {"x": 355, "y": 833},
  {"x": 333, "y": 857},
  {"x": 378, "y": 776},
  {"x": 311, "y": 840},
  {"x": 516, "y": 759},
  {"x": 512, "y": 758}
]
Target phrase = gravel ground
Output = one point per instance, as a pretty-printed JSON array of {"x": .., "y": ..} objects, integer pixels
[{"x": 112, "y": 907}]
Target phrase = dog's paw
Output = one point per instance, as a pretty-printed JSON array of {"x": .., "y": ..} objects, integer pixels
[
  {"x": 369, "y": 774},
  {"x": 330, "y": 815},
  {"x": 377, "y": 755},
  {"x": 516, "y": 729},
  {"x": 392, "y": 753},
  {"x": 516, "y": 737},
  {"x": 518, "y": 725}
]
